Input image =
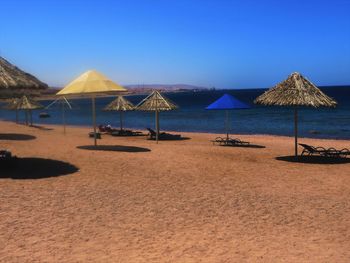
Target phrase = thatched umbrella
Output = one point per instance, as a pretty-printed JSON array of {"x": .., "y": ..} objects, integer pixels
[
  {"x": 28, "y": 104},
  {"x": 12, "y": 105},
  {"x": 15, "y": 81},
  {"x": 295, "y": 91},
  {"x": 120, "y": 104},
  {"x": 91, "y": 84},
  {"x": 156, "y": 102}
]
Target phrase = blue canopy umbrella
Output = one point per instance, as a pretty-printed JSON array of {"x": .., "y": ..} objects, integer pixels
[{"x": 227, "y": 102}]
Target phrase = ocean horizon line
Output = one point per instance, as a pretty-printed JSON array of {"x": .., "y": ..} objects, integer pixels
[{"x": 199, "y": 88}]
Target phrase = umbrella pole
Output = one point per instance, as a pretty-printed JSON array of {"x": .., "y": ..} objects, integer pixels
[
  {"x": 63, "y": 119},
  {"x": 226, "y": 125},
  {"x": 157, "y": 125},
  {"x": 26, "y": 112},
  {"x": 31, "y": 117},
  {"x": 121, "y": 120},
  {"x": 296, "y": 130},
  {"x": 94, "y": 119}
]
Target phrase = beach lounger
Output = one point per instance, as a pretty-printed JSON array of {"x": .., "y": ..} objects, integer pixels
[
  {"x": 153, "y": 134},
  {"x": 229, "y": 142},
  {"x": 92, "y": 135},
  {"x": 236, "y": 141},
  {"x": 162, "y": 135},
  {"x": 321, "y": 151},
  {"x": 219, "y": 140},
  {"x": 122, "y": 133},
  {"x": 126, "y": 133},
  {"x": 102, "y": 128},
  {"x": 106, "y": 129}
]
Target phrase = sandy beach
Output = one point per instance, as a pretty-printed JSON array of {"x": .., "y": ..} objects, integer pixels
[{"x": 176, "y": 201}]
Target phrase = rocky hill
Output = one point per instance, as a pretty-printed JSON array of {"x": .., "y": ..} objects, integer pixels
[{"x": 14, "y": 82}]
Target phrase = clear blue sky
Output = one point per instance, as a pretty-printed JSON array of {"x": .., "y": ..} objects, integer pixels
[{"x": 226, "y": 44}]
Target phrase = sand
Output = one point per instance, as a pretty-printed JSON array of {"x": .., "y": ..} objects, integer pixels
[{"x": 176, "y": 201}]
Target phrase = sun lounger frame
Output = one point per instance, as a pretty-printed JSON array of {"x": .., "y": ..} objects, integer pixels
[
  {"x": 321, "y": 151},
  {"x": 229, "y": 142},
  {"x": 162, "y": 135}
]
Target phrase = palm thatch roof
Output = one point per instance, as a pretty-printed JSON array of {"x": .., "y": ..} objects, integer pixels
[
  {"x": 26, "y": 103},
  {"x": 296, "y": 90},
  {"x": 156, "y": 102},
  {"x": 120, "y": 104},
  {"x": 12, "y": 77},
  {"x": 12, "y": 104}
]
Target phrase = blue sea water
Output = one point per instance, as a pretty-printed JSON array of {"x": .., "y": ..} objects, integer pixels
[{"x": 192, "y": 116}]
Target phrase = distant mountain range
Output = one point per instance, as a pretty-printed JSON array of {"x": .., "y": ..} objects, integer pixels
[
  {"x": 162, "y": 87},
  {"x": 14, "y": 83},
  {"x": 137, "y": 89},
  {"x": 132, "y": 89}
]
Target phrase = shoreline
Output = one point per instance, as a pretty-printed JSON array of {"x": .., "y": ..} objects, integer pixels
[
  {"x": 190, "y": 132},
  {"x": 318, "y": 124}
]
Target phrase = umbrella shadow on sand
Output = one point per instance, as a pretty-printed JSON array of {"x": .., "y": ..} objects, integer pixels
[
  {"x": 16, "y": 137},
  {"x": 43, "y": 128},
  {"x": 246, "y": 146},
  {"x": 172, "y": 138},
  {"x": 113, "y": 148},
  {"x": 35, "y": 168},
  {"x": 313, "y": 159}
]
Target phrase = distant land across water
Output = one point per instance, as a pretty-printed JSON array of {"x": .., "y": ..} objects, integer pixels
[
  {"x": 192, "y": 116},
  {"x": 145, "y": 88}
]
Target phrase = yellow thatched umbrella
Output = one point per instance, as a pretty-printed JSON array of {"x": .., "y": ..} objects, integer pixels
[
  {"x": 156, "y": 102},
  {"x": 295, "y": 91},
  {"x": 120, "y": 104},
  {"x": 91, "y": 84},
  {"x": 27, "y": 104}
]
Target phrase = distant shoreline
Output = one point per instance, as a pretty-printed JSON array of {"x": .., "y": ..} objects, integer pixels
[
  {"x": 222, "y": 134},
  {"x": 50, "y": 93}
]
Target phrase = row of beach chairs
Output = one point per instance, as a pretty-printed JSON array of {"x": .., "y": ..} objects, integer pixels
[
  {"x": 308, "y": 150},
  {"x": 107, "y": 129}
]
